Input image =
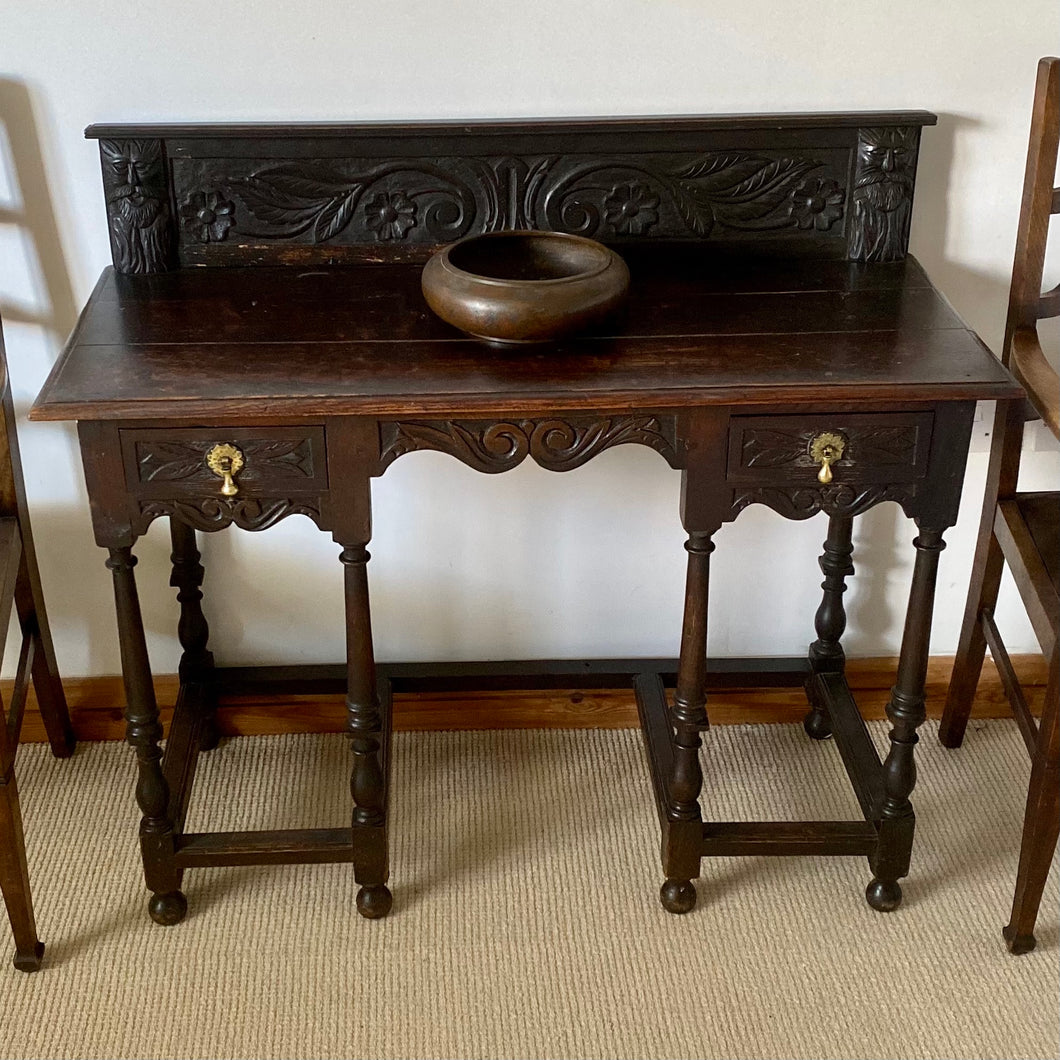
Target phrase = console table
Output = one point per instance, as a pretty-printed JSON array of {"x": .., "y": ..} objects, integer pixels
[{"x": 260, "y": 348}]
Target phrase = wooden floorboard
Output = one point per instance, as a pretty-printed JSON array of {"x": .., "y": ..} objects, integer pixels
[{"x": 96, "y": 704}]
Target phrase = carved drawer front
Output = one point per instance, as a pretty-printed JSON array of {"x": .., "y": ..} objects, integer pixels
[
  {"x": 817, "y": 448},
  {"x": 224, "y": 462}
]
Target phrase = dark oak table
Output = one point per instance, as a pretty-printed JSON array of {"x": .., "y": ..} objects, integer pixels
[{"x": 261, "y": 348}]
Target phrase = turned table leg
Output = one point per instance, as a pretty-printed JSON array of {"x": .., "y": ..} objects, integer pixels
[
  {"x": 196, "y": 662},
  {"x": 365, "y": 725},
  {"x": 689, "y": 716},
  {"x": 906, "y": 713},
  {"x": 826, "y": 653},
  {"x": 143, "y": 732}
]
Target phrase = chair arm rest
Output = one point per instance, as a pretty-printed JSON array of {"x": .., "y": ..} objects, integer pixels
[{"x": 1038, "y": 377}]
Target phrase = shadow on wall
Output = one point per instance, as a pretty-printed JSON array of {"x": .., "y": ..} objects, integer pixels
[
  {"x": 979, "y": 298},
  {"x": 77, "y": 595},
  {"x": 33, "y": 212}
]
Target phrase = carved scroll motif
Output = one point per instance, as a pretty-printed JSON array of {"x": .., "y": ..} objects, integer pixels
[
  {"x": 385, "y": 203},
  {"x": 835, "y": 499},
  {"x": 216, "y": 513},
  {"x": 880, "y": 446},
  {"x": 883, "y": 194},
  {"x": 610, "y": 198},
  {"x": 142, "y": 237},
  {"x": 167, "y": 461},
  {"x": 556, "y": 444},
  {"x": 350, "y": 201}
]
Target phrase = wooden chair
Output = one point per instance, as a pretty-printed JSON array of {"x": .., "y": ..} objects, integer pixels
[
  {"x": 1023, "y": 529},
  {"x": 20, "y": 585}
]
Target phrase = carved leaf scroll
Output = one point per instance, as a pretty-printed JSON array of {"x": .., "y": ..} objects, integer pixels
[
  {"x": 556, "y": 444},
  {"x": 216, "y": 513},
  {"x": 416, "y": 200},
  {"x": 161, "y": 461},
  {"x": 738, "y": 191},
  {"x": 886, "y": 446},
  {"x": 296, "y": 200},
  {"x": 835, "y": 499}
]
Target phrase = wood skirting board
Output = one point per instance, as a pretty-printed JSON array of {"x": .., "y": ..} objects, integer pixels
[{"x": 96, "y": 704}]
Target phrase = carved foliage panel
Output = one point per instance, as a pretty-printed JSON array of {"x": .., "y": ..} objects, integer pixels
[
  {"x": 156, "y": 204},
  {"x": 877, "y": 447},
  {"x": 216, "y": 513},
  {"x": 885, "y": 456},
  {"x": 834, "y": 499},
  {"x": 283, "y": 472},
  {"x": 556, "y": 443},
  {"x": 269, "y": 460},
  {"x": 418, "y": 201}
]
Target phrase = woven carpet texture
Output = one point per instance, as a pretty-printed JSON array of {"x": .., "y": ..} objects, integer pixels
[{"x": 526, "y": 921}]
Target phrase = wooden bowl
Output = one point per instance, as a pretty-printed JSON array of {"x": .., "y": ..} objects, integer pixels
[{"x": 524, "y": 287}]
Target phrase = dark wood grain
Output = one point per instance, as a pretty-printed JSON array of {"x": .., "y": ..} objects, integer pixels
[
  {"x": 385, "y": 305},
  {"x": 652, "y": 126},
  {"x": 280, "y": 846},
  {"x": 727, "y": 839},
  {"x": 246, "y": 383}
]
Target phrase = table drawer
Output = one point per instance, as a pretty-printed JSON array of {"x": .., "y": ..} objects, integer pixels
[
  {"x": 260, "y": 461},
  {"x": 789, "y": 450}
]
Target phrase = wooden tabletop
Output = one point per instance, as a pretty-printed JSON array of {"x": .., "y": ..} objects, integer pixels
[{"x": 702, "y": 326}]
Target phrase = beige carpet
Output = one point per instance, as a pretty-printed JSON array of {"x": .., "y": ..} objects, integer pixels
[{"x": 525, "y": 920}]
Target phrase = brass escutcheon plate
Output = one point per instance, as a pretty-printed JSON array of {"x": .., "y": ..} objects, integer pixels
[
  {"x": 225, "y": 461},
  {"x": 825, "y": 449}
]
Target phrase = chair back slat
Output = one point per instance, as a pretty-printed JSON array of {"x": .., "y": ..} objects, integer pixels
[{"x": 1040, "y": 199}]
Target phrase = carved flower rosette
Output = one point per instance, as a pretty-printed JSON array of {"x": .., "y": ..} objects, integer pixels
[{"x": 419, "y": 201}]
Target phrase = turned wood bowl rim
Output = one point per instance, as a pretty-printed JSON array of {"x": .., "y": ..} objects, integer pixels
[{"x": 605, "y": 255}]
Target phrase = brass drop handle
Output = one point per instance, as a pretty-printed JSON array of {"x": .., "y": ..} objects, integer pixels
[
  {"x": 825, "y": 450},
  {"x": 225, "y": 461}
]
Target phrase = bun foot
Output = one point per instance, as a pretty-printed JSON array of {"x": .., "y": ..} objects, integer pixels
[
  {"x": 885, "y": 896},
  {"x": 1018, "y": 944},
  {"x": 678, "y": 896},
  {"x": 817, "y": 725},
  {"x": 29, "y": 962},
  {"x": 167, "y": 909},
  {"x": 374, "y": 902}
]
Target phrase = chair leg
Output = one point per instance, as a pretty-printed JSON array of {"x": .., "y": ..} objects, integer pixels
[
  {"x": 1041, "y": 823},
  {"x": 14, "y": 878},
  {"x": 971, "y": 648},
  {"x": 51, "y": 699},
  {"x": 987, "y": 568}
]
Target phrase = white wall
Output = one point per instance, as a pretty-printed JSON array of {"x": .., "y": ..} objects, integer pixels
[{"x": 529, "y": 563}]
